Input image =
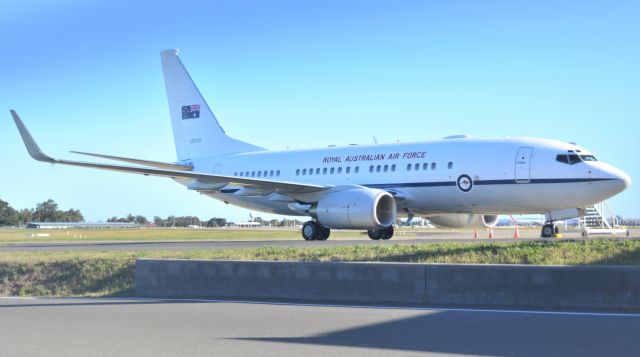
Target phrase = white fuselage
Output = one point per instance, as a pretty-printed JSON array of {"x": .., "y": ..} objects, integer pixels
[{"x": 508, "y": 175}]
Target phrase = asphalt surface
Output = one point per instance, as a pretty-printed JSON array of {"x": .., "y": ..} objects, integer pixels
[
  {"x": 135, "y": 327},
  {"x": 205, "y": 245},
  {"x": 244, "y": 244}
]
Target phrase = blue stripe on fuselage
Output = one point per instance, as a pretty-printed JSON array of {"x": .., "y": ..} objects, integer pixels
[
  {"x": 479, "y": 183},
  {"x": 486, "y": 182}
]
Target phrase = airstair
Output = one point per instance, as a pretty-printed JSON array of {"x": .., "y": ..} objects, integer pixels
[{"x": 600, "y": 219}]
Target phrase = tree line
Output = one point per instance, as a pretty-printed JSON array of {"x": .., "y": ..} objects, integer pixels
[{"x": 46, "y": 211}]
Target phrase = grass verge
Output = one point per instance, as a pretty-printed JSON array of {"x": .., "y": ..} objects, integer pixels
[{"x": 112, "y": 273}]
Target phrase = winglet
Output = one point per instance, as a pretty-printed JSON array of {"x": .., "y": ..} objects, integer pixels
[{"x": 31, "y": 145}]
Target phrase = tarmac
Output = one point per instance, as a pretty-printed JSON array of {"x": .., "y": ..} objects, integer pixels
[
  {"x": 134, "y": 327},
  {"x": 501, "y": 235}
]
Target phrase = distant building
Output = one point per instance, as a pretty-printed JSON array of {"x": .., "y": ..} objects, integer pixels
[
  {"x": 244, "y": 224},
  {"x": 69, "y": 225}
]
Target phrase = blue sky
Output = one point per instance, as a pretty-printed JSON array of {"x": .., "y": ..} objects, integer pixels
[{"x": 86, "y": 75}]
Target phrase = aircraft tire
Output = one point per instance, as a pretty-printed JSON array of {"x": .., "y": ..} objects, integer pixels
[
  {"x": 375, "y": 234},
  {"x": 323, "y": 233},
  {"x": 387, "y": 233},
  {"x": 310, "y": 230},
  {"x": 548, "y": 230}
]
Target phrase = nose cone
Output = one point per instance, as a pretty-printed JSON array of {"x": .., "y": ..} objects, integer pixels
[
  {"x": 618, "y": 179},
  {"x": 626, "y": 180}
]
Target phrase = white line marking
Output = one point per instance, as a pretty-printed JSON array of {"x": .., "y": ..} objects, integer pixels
[{"x": 416, "y": 308}]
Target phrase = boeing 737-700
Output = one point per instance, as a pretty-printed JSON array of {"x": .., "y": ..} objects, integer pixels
[{"x": 455, "y": 182}]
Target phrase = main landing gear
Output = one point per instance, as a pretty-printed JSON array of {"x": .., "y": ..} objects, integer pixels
[
  {"x": 313, "y": 230},
  {"x": 384, "y": 233},
  {"x": 549, "y": 230}
]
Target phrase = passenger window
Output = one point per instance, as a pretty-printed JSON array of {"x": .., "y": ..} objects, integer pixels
[
  {"x": 253, "y": 174},
  {"x": 318, "y": 171},
  {"x": 278, "y": 173},
  {"x": 450, "y": 166},
  {"x": 433, "y": 166},
  {"x": 348, "y": 169},
  {"x": 357, "y": 169},
  {"x": 246, "y": 174},
  {"x": 378, "y": 168},
  {"x": 339, "y": 170},
  {"x": 393, "y": 167},
  {"x": 371, "y": 168},
  {"x": 386, "y": 168},
  {"x": 324, "y": 171},
  {"x": 408, "y": 167},
  {"x": 425, "y": 166},
  {"x": 304, "y": 172},
  {"x": 417, "y": 167},
  {"x": 259, "y": 173},
  {"x": 310, "y": 171},
  {"x": 264, "y": 173},
  {"x": 297, "y": 172},
  {"x": 271, "y": 173},
  {"x": 332, "y": 170}
]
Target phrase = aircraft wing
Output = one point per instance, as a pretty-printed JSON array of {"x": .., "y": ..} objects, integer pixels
[
  {"x": 175, "y": 173},
  {"x": 162, "y": 165}
]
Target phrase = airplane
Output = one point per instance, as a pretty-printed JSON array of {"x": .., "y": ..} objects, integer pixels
[{"x": 456, "y": 182}]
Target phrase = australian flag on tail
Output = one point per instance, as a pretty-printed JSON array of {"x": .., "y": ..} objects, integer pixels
[{"x": 191, "y": 111}]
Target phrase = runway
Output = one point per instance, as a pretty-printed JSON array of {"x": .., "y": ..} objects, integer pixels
[
  {"x": 247, "y": 244},
  {"x": 133, "y": 327},
  {"x": 203, "y": 245}
]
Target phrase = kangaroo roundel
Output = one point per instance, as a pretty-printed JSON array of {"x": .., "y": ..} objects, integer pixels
[{"x": 465, "y": 183}]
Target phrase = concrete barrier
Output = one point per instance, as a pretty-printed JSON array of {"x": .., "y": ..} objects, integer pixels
[
  {"x": 606, "y": 287},
  {"x": 603, "y": 287},
  {"x": 352, "y": 282}
]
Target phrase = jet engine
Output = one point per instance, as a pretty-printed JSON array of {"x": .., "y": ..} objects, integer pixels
[
  {"x": 464, "y": 221},
  {"x": 358, "y": 208}
]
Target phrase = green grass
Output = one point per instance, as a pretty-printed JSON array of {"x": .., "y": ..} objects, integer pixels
[{"x": 112, "y": 273}]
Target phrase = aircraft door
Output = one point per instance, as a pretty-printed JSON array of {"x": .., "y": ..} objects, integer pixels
[{"x": 523, "y": 165}]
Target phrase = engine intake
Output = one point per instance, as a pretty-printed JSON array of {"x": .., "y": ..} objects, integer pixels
[{"x": 358, "y": 208}]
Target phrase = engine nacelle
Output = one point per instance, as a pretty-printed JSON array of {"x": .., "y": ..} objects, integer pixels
[
  {"x": 464, "y": 221},
  {"x": 358, "y": 208}
]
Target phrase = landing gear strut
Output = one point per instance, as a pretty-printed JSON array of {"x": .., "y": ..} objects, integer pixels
[
  {"x": 384, "y": 233},
  {"x": 549, "y": 230},
  {"x": 313, "y": 230}
]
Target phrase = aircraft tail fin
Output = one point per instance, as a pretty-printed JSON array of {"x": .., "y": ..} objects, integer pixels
[{"x": 196, "y": 130}]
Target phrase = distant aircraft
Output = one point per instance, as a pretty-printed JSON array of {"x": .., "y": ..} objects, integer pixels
[{"x": 455, "y": 182}]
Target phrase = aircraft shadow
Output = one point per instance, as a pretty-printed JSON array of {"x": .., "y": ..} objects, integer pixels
[{"x": 487, "y": 333}]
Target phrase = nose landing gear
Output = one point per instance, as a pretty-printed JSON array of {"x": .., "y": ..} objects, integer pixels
[{"x": 549, "y": 230}]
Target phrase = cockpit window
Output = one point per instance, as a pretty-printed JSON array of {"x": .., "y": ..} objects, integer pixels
[
  {"x": 588, "y": 158},
  {"x": 571, "y": 158}
]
